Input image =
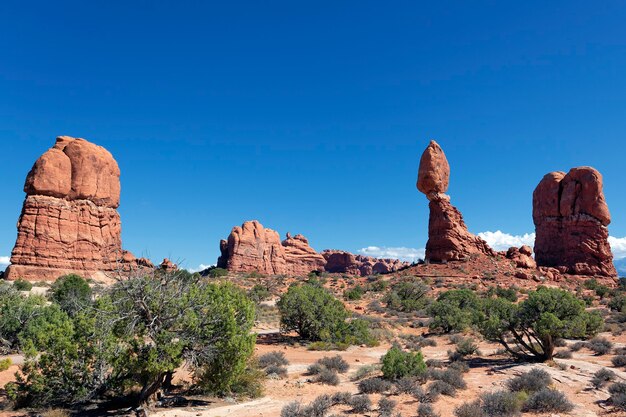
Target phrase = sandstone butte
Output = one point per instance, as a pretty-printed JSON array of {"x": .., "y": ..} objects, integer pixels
[
  {"x": 571, "y": 218},
  {"x": 448, "y": 237},
  {"x": 69, "y": 221},
  {"x": 254, "y": 248}
]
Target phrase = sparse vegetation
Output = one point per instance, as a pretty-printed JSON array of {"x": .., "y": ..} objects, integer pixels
[
  {"x": 374, "y": 386},
  {"x": 22, "y": 285},
  {"x": 454, "y": 311},
  {"x": 602, "y": 377},
  {"x": 408, "y": 296},
  {"x": 398, "y": 363},
  {"x": 534, "y": 380},
  {"x": 548, "y": 401}
]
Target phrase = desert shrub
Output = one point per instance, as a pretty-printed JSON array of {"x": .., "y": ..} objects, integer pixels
[
  {"x": 575, "y": 347},
  {"x": 277, "y": 370},
  {"x": 364, "y": 371},
  {"x": 315, "y": 368},
  {"x": 16, "y": 312},
  {"x": 378, "y": 285},
  {"x": 618, "y": 303},
  {"x": 336, "y": 363},
  {"x": 341, "y": 397},
  {"x": 563, "y": 354},
  {"x": 531, "y": 381},
  {"x": 548, "y": 401},
  {"x": 619, "y": 361},
  {"x": 354, "y": 293},
  {"x": 5, "y": 364},
  {"x": 460, "y": 366},
  {"x": 426, "y": 410},
  {"x": 275, "y": 358},
  {"x": 454, "y": 310},
  {"x": 405, "y": 385},
  {"x": 374, "y": 386},
  {"x": 440, "y": 387},
  {"x": 502, "y": 403},
  {"x": 259, "y": 293},
  {"x": 398, "y": 363},
  {"x": 328, "y": 377},
  {"x": 293, "y": 409},
  {"x": 600, "y": 345},
  {"x": 466, "y": 347},
  {"x": 473, "y": 409},
  {"x": 318, "y": 407},
  {"x": 316, "y": 315},
  {"x": 139, "y": 331},
  {"x": 22, "y": 285},
  {"x": 216, "y": 272},
  {"x": 360, "y": 403},
  {"x": 408, "y": 296},
  {"x": 618, "y": 395},
  {"x": 602, "y": 377},
  {"x": 386, "y": 407},
  {"x": 420, "y": 395},
  {"x": 71, "y": 292},
  {"x": 509, "y": 293},
  {"x": 435, "y": 363},
  {"x": 528, "y": 330},
  {"x": 454, "y": 378},
  {"x": 560, "y": 342}
]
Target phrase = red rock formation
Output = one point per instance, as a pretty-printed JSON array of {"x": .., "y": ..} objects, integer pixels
[
  {"x": 252, "y": 247},
  {"x": 300, "y": 257},
  {"x": 522, "y": 257},
  {"x": 168, "y": 266},
  {"x": 69, "y": 222},
  {"x": 571, "y": 218},
  {"x": 448, "y": 237},
  {"x": 347, "y": 263}
]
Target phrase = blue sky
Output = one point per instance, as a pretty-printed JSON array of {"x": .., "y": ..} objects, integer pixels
[{"x": 311, "y": 116}]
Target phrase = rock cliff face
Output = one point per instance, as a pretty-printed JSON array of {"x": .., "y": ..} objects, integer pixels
[
  {"x": 448, "y": 237},
  {"x": 571, "y": 218},
  {"x": 253, "y": 247},
  {"x": 69, "y": 221}
]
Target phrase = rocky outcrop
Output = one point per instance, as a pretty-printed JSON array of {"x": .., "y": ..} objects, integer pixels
[
  {"x": 168, "y": 266},
  {"x": 523, "y": 257},
  {"x": 300, "y": 257},
  {"x": 347, "y": 263},
  {"x": 571, "y": 218},
  {"x": 253, "y": 247},
  {"x": 448, "y": 237},
  {"x": 69, "y": 221}
]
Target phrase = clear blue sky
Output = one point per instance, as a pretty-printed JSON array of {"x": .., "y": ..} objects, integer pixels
[{"x": 311, "y": 116}]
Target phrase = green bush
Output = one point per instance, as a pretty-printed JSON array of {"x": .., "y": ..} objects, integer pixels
[
  {"x": 259, "y": 293},
  {"x": 548, "y": 401},
  {"x": 454, "y": 311},
  {"x": 529, "y": 330},
  {"x": 5, "y": 364},
  {"x": 137, "y": 334},
  {"x": 22, "y": 285},
  {"x": 71, "y": 292},
  {"x": 534, "y": 380},
  {"x": 217, "y": 272},
  {"x": 408, "y": 296},
  {"x": 353, "y": 294},
  {"x": 313, "y": 313},
  {"x": 16, "y": 312},
  {"x": 398, "y": 364}
]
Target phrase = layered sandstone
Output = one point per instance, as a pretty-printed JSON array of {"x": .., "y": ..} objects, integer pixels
[
  {"x": 448, "y": 237},
  {"x": 571, "y": 218},
  {"x": 69, "y": 221},
  {"x": 338, "y": 261},
  {"x": 252, "y": 247}
]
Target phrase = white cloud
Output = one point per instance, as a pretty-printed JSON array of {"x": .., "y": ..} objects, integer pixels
[
  {"x": 618, "y": 247},
  {"x": 200, "y": 268},
  {"x": 5, "y": 260},
  {"x": 499, "y": 240},
  {"x": 405, "y": 254}
]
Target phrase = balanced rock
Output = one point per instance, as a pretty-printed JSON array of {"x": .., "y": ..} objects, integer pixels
[
  {"x": 571, "y": 218},
  {"x": 69, "y": 222},
  {"x": 448, "y": 237},
  {"x": 522, "y": 257}
]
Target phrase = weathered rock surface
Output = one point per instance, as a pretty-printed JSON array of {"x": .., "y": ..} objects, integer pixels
[
  {"x": 300, "y": 257},
  {"x": 571, "y": 218},
  {"x": 347, "y": 263},
  {"x": 522, "y": 257},
  {"x": 69, "y": 222},
  {"x": 448, "y": 237},
  {"x": 253, "y": 247}
]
